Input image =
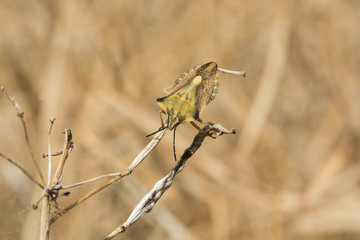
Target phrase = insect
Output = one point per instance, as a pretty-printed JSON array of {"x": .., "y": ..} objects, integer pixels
[{"x": 190, "y": 94}]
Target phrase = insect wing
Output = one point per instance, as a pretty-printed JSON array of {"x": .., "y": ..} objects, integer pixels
[
  {"x": 183, "y": 81},
  {"x": 208, "y": 87}
]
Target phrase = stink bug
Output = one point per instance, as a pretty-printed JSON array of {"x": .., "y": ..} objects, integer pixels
[{"x": 187, "y": 98}]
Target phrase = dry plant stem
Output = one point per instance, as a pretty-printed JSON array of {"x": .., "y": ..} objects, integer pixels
[
  {"x": 23, "y": 170},
  {"x": 139, "y": 158},
  {"x": 149, "y": 200},
  {"x": 44, "y": 219},
  {"x": 86, "y": 196},
  {"x": 242, "y": 73},
  {"x": 45, "y": 206},
  {"x": 21, "y": 116},
  {"x": 68, "y": 146}
]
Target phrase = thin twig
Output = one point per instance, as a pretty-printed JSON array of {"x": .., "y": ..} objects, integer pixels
[
  {"x": 150, "y": 199},
  {"x": 53, "y": 154},
  {"x": 242, "y": 73},
  {"x": 139, "y": 158},
  {"x": 92, "y": 180},
  {"x": 52, "y": 120},
  {"x": 23, "y": 170},
  {"x": 21, "y": 116}
]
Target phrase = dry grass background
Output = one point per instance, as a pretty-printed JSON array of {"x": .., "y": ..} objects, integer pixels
[{"x": 291, "y": 172}]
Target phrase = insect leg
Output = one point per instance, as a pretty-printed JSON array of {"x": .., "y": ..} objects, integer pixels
[
  {"x": 198, "y": 128},
  {"x": 207, "y": 122},
  {"x": 195, "y": 126},
  {"x": 161, "y": 119},
  {"x": 163, "y": 126}
]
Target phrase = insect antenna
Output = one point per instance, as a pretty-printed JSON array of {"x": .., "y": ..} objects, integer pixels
[
  {"x": 174, "y": 150},
  {"x": 162, "y": 128}
]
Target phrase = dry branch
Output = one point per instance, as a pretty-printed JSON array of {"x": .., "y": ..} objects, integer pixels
[
  {"x": 149, "y": 200},
  {"x": 242, "y": 73},
  {"x": 53, "y": 185},
  {"x": 139, "y": 158}
]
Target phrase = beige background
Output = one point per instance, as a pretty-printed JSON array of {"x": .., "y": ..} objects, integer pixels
[{"x": 291, "y": 171}]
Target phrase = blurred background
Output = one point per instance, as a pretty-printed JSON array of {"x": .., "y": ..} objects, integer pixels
[{"x": 292, "y": 170}]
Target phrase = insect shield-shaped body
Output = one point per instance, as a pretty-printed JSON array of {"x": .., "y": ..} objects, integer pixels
[
  {"x": 190, "y": 94},
  {"x": 192, "y": 91}
]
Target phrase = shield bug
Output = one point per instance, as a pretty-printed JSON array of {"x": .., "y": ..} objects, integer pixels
[{"x": 187, "y": 98}]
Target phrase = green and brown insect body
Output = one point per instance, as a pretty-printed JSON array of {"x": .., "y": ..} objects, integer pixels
[
  {"x": 187, "y": 98},
  {"x": 190, "y": 94}
]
